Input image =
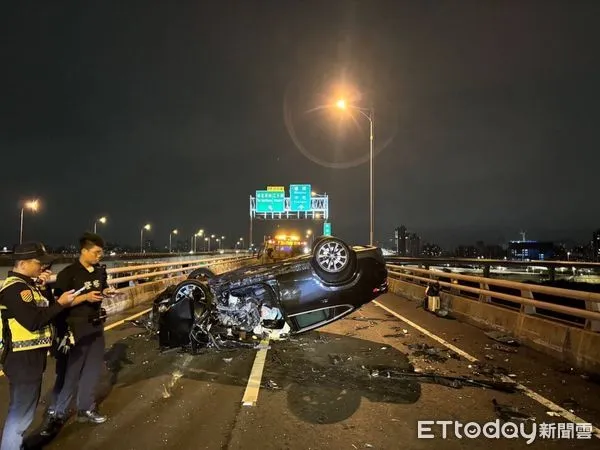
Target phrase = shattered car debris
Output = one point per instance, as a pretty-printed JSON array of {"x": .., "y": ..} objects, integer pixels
[{"x": 271, "y": 300}]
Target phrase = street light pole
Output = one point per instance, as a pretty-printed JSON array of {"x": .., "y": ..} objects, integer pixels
[
  {"x": 170, "y": 234},
  {"x": 341, "y": 104},
  {"x": 101, "y": 220},
  {"x": 21, "y": 232},
  {"x": 371, "y": 114},
  {"x": 145, "y": 227},
  {"x": 32, "y": 205}
]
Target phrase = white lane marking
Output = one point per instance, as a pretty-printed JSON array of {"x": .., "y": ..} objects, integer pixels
[
  {"x": 531, "y": 394},
  {"x": 426, "y": 332},
  {"x": 251, "y": 394}
]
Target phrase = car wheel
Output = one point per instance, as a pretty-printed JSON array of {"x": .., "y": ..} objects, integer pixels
[
  {"x": 316, "y": 242},
  {"x": 194, "y": 291},
  {"x": 202, "y": 273},
  {"x": 333, "y": 260}
]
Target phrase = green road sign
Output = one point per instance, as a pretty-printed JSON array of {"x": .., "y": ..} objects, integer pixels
[
  {"x": 300, "y": 195},
  {"x": 270, "y": 201}
]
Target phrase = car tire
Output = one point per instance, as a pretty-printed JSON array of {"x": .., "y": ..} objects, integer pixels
[
  {"x": 316, "y": 242},
  {"x": 201, "y": 273},
  {"x": 333, "y": 260},
  {"x": 196, "y": 292}
]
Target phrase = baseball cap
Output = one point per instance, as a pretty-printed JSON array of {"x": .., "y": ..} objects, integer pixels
[{"x": 31, "y": 250}]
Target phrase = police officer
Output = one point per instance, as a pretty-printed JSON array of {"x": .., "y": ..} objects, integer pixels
[
  {"x": 26, "y": 332},
  {"x": 86, "y": 356}
]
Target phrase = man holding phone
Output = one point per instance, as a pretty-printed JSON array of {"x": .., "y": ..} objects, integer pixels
[
  {"x": 26, "y": 335},
  {"x": 86, "y": 357}
]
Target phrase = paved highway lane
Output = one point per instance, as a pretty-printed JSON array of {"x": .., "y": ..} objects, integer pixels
[{"x": 322, "y": 390}]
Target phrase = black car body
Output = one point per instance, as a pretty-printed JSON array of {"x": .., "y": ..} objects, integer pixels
[{"x": 276, "y": 300}]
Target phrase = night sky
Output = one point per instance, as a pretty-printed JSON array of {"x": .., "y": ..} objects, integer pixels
[{"x": 173, "y": 113}]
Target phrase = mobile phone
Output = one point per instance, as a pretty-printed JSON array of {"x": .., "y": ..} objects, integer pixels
[{"x": 79, "y": 291}]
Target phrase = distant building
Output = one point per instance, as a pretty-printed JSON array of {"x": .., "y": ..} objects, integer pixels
[
  {"x": 413, "y": 245},
  {"x": 467, "y": 251},
  {"x": 400, "y": 237},
  {"x": 530, "y": 250},
  {"x": 431, "y": 250},
  {"x": 494, "y": 252},
  {"x": 407, "y": 244},
  {"x": 596, "y": 246},
  {"x": 148, "y": 245}
]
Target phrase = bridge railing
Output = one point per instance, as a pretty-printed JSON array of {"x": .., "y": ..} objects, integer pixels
[
  {"x": 128, "y": 275},
  {"x": 117, "y": 276},
  {"x": 578, "y": 308}
]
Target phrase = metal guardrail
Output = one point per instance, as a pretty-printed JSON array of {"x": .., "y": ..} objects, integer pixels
[
  {"x": 587, "y": 316},
  {"x": 145, "y": 271},
  {"x": 482, "y": 262}
]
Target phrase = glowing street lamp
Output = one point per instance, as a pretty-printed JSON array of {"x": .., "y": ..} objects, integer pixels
[
  {"x": 33, "y": 205},
  {"x": 171, "y": 234},
  {"x": 145, "y": 227},
  {"x": 102, "y": 220},
  {"x": 369, "y": 114}
]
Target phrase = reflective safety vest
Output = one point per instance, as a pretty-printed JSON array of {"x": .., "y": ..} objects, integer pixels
[{"x": 18, "y": 337}]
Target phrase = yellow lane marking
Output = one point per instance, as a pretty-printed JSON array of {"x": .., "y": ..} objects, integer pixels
[
  {"x": 531, "y": 394},
  {"x": 113, "y": 325},
  {"x": 121, "y": 322},
  {"x": 251, "y": 394}
]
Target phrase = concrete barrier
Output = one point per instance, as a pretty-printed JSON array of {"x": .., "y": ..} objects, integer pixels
[
  {"x": 572, "y": 345},
  {"x": 135, "y": 295}
]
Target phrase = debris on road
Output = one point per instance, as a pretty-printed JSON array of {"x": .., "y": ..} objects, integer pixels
[
  {"x": 227, "y": 360},
  {"x": 502, "y": 338},
  {"x": 401, "y": 330},
  {"x": 443, "y": 380},
  {"x": 271, "y": 385},
  {"x": 569, "y": 404},
  {"x": 335, "y": 359},
  {"x": 503, "y": 348},
  {"x": 510, "y": 413},
  {"x": 432, "y": 353},
  {"x": 487, "y": 370}
]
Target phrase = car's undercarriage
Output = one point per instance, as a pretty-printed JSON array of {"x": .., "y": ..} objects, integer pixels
[{"x": 230, "y": 318}]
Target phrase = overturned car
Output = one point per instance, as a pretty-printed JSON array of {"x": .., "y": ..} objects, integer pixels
[{"x": 270, "y": 300}]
